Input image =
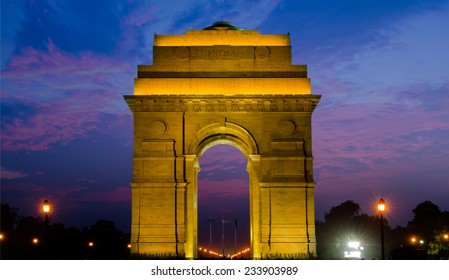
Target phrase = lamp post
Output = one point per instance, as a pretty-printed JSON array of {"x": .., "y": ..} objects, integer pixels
[
  {"x": 46, "y": 208},
  {"x": 381, "y": 207}
]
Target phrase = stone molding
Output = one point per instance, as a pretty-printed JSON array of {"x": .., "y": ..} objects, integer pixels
[{"x": 213, "y": 104}]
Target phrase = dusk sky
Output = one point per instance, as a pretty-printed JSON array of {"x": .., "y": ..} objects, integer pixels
[{"x": 381, "y": 128}]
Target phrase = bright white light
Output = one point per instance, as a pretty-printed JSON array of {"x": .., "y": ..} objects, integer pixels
[
  {"x": 354, "y": 244},
  {"x": 354, "y": 252},
  {"x": 353, "y": 255}
]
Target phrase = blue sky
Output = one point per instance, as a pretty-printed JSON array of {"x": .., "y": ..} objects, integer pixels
[{"x": 381, "y": 128}]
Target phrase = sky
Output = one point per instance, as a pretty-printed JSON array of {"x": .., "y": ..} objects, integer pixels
[{"x": 381, "y": 128}]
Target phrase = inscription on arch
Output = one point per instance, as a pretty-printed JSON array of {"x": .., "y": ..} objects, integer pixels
[{"x": 221, "y": 53}]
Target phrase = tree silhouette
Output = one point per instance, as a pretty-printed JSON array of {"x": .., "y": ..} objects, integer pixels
[
  {"x": 427, "y": 220},
  {"x": 109, "y": 243},
  {"x": 429, "y": 224},
  {"x": 63, "y": 243},
  {"x": 343, "y": 212},
  {"x": 8, "y": 218}
]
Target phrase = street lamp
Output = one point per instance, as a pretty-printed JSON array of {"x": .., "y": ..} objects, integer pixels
[
  {"x": 46, "y": 208},
  {"x": 381, "y": 207}
]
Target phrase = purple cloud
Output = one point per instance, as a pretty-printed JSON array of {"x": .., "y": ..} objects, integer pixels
[
  {"x": 401, "y": 54},
  {"x": 86, "y": 180},
  {"x": 381, "y": 128},
  {"x": 367, "y": 150},
  {"x": 224, "y": 189},
  {"x": 6, "y": 174},
  {"x": 69, "y": 93}
]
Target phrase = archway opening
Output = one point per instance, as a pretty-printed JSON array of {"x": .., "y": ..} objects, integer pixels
[{"x": 223, "y": 203}]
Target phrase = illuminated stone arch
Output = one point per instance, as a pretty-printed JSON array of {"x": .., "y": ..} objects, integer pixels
[
  {"x": 222, "y": 86},
  {"x": 226, "y": 133}
]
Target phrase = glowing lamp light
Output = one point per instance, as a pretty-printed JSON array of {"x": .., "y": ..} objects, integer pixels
[
  {"x": 90, "y": 244},
  {"x": 1, "y": 236},
  {"x": 35, "y": 241},
  {"x": 446, "y": 237},
  {"x": 381, "y": 206},
  {"x": 46, "y": 207}
]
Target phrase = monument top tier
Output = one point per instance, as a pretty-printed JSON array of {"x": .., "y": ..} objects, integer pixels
[
  {"x": 222, "y": 33},
  {"x": 222, "y": 25},
  {"x": 222, "y": 59}
]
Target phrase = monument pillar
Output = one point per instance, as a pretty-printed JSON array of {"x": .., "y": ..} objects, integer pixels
[{"x": 192, "y": 169}]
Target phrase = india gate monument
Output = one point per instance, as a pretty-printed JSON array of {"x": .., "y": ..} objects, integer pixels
[{"x": 222, "y": 85}]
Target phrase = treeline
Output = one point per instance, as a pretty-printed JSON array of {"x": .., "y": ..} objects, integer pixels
[
  {"x": 33, "y": 238},
  {"x": 426, "y": 236}
]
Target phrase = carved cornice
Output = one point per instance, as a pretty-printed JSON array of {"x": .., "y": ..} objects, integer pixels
[{"x": 221, "y": 103}]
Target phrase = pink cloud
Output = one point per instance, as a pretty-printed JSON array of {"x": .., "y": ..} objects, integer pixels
[
  {"x": 392, "y": 148},
  {"x": 86, "y": 180},
  {"x": 69, "y": 94},
  {"x": 92, "y": 194},
  {"x": 141, "y": 15},
  {"x": 68, "y": 192},
  {"x": 7, "y": 174},
  {"x": 26, "y": 188},
  {"x": 227, "y": 188},
  {"x": 374, "y": 129},
  {"x": 119, "y": 194}
]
